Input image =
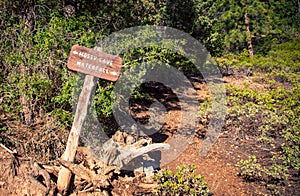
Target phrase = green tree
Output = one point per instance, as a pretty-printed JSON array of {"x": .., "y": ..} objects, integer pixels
[
  {"x": 243, "y": 21},
  {"x": 254, "y": 24}
]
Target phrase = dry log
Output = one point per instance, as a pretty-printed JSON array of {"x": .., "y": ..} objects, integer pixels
[
  {"x": 147, "y": 186},
  {"x": 98, "y": 180},
  {"x": 52, "y": 169},
  {"x": 8, "y": 150}
]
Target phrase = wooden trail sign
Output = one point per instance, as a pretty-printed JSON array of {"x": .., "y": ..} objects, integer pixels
[{"x": 95, "y": 64}]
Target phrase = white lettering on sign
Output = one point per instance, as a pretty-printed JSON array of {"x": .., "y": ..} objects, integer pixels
[
  {"x": 93, "y": 57},
  {"x": 114, "y": 73},
  {"x": 95, "y": 68},
  {"x": 95, "y": 63}
]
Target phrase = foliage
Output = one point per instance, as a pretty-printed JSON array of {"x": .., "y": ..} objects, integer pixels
[
  {"x": 205, "y": 112},
  {"x": 182, "y": 182},
  {"x": 251, "y": 170},
  {"x": 35, "y": 62},
  {"x": 291, "y": 152},
  {"x": 102, "y": 100},
  {"x": 282, "y": 62}
]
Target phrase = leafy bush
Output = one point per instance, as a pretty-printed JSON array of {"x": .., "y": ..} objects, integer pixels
[
  {"x": 35, "y": 63},
  {"x": 182, "y": 182},
  {"x": 251, "y": 170},
  {"x": 290, "y": 149}
]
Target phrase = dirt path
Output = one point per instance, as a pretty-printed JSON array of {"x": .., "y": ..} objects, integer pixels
[{"x": 218, "y": 167}]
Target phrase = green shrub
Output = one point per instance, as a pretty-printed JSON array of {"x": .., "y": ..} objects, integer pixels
[
  {"x": 290, "y": 148},
  {"x": 182, "y": 182},
  {"x": 251, "y": 170},
  {"x": 35, "y": 63}
]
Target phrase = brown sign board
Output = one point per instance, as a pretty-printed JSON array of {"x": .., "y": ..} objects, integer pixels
[{"x": 94, "y": 63}]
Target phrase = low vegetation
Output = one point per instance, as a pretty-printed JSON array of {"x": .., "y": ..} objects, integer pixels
[
  {"x": 182, "y": 182},
  {"x": 269, "y": 112}
]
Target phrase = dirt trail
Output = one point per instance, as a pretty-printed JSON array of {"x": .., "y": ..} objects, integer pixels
[{"x": 218, "y": 167}]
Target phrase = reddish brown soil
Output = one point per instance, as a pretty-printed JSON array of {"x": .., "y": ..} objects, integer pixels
[{"x": 218, "y": 166}]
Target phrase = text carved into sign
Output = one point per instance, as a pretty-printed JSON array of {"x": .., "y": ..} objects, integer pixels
[{"x": 95, "y": 63}]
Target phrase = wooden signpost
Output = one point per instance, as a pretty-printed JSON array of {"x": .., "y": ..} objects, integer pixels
[{"x": 94, "y": 63}]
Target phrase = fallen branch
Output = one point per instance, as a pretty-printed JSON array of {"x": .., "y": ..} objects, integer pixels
[
  {"x": 147, "y": 186},
  {"x": 98, "y": 180},
  {"x": 52, "y": 169},
  {"x": 14, "y": 152}
]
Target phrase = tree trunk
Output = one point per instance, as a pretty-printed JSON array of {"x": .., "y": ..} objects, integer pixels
[
  {"x": 26, "y": 103},
  {"x": 249, "y": 39}
]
